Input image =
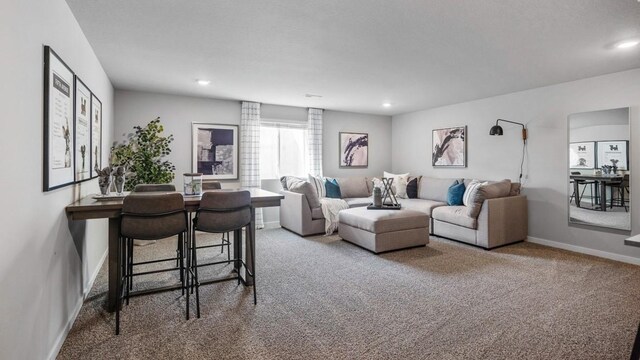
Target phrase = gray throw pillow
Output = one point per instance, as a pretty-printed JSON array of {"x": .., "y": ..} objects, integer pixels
[
  {"x": 353, "y": 187},
  {"x": 305, "y": 188},
  {"x": 477, "y": 192}
]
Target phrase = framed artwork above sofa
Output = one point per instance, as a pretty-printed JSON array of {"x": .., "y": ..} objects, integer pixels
[
  {"x": 354, "y": 150},
  {"x": 449, "y": 147}
]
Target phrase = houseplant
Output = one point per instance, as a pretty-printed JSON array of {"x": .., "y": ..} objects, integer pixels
[{"x": 143, "y": 156}]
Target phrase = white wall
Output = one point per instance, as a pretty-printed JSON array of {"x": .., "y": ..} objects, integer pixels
[
  {"x": 178, "y": 112},
  {"x": 44, "y": 270},
  {"x": 545, "y": 112}
]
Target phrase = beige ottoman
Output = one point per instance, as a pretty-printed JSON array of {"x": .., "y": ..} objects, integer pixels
[{"x": 383, "y": 230}]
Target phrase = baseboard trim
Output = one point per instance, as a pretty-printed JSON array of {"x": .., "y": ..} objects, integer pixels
[
  {"x": 584, "y": 250},
  {"x": 272, "y": 225},
  {"x": 57, "y": 345}
]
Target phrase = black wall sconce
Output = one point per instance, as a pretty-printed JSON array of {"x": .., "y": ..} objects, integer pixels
[{"x": 497, "y": 131}]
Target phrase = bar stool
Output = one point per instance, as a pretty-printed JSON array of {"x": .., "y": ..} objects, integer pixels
[
  {"x": 220, "y": 212},
  {"x": 215, "y": 185},
  {"x": 149, "y": 217},
  {"x": 584, "y": 183}
]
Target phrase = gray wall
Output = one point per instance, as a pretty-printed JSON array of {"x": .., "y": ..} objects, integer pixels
[
  {"x": 178, "y": 112},
  {"x": 44, "y": 270},
  {"x": 545, "y": 112}
]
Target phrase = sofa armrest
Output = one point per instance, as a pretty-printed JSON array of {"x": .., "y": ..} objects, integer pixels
[
  {"x": 295, "y": 213},
  {"x": 503, "y": 221}
]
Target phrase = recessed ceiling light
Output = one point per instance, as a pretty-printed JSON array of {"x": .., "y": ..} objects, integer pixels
[
  {"x": 312, "y": 95},
  {"x": 386, "y": 104},
  {"x": 204, "y": 82},
  {"x": 627, "y": 44}
]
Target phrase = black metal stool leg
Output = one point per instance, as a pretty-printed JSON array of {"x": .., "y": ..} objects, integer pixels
[
  {"x": 195, "y": 272},
  {"x": 252, "y": 243}
]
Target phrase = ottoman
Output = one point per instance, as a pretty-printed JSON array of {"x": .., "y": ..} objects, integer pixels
[{"x": 383, "y": 230}]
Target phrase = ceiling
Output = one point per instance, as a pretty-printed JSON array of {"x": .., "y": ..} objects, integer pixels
[{"x": 357, "y": 54}]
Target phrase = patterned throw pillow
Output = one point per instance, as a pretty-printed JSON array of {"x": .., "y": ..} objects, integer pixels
[
  {"x": 470, "y": 192},
  {"x": 318, "y": 184}
]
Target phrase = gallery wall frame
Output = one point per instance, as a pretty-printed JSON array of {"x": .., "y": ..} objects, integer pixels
[
  {"x": 82, "y": 130},
  {"x": 96, "y": 135},
  {"x": 353, "y": 150},
  {"x": 613, "y": 149},
  {"x": 449, "y": 147},
  {"x": 582, "y": 155},
  {"x": 58, "y": 111},
  {"x": 214, "y": 151}
]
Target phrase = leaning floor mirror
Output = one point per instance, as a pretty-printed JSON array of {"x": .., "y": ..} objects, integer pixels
[{"x": 598, "y": 180}]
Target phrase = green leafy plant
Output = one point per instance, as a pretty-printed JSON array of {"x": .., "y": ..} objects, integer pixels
[{"x": 143, "y": 153}]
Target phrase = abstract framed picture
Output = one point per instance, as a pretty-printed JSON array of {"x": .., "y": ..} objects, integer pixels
[
  {"x": 582, "y": 155},
  {"x": 59, "y": 90},
  {"x": 215, "y": 151},
  {"x": 82, "y": 129},
  {"x": 449, "y": 147},
  {"x": 96, "y": 135},
  {"x": 613, "y": 152},
  {"x": 354, "y": 150}
]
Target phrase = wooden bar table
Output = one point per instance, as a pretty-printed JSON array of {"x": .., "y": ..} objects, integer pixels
[
  {"x": 89, "y": 208},
  {"x": 602, "y": 181}
]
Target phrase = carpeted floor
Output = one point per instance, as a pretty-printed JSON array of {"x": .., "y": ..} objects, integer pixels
[
  {"x": 322, "y": 298},
  {"x": 615, "y": 218}
]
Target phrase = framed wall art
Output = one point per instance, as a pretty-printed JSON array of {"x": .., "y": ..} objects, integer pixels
[
  {"x": 59, "y": 157},
  {"x": 96, "y": 135},
  {"x": 354, "y": 150},
  {"x": 449, "y": 147},
  {"x": 582, "y": 155},
  {"x": 215, "y": 151},
  {"x": 613, "y": 152},
  {"x": 82, "y": 129}
]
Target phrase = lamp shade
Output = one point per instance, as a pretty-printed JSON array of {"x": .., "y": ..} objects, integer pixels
[{"x": 495, "y": 130}]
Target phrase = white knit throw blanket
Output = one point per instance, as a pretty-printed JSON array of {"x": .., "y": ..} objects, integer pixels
[{"x": 330, "y": 209}]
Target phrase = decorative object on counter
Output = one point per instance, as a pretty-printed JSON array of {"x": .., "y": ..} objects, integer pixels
[
  {"x": 104, "y": 179},
  {"x": 214, "y": 151},
  {"x": 143, "y": 155},
  {"x": 377, "y": 197},
  {"x": 606, "y": 169},
  {"x": 192, "y": 183},
  {"x": 354, "y": 150},
  {"x": 614, "y": 166},
  {"x": 119, "y": 174},
  {"x": 449, "y": 147},
  {"x": 59, "y": 132}
]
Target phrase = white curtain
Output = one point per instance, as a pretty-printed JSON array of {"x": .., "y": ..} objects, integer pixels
[
  {"x": 314, "y": 127},
  {"x": 250, "y": 151}
]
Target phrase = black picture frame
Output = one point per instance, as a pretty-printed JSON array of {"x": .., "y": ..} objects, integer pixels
[
  {"x": 441, "y": 140},
  {"x": 58, "y": 102},
  {"x": 574, "y": 146},
  {"x": 77, "y": 118},
  {"x": 96, "y": 139},
  {"x": 201, "y": 145},
  {"x": 347, "y": 150},
  {"x": 603, "y": 143}
]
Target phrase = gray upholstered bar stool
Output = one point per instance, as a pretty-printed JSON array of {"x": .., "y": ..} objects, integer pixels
[
  {"x": 154, "y": 187},
  {"x": 150, "y": 217},
  {"x": 215, "y": 185},
  {"x": 220, "y": 212}
]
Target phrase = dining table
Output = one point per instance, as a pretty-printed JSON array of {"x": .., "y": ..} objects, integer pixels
[
  {"x": 96, "y": 207},
  {"x": 602, "y": 181}
]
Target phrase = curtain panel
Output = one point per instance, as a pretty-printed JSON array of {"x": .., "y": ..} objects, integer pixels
[{"x": 250, "y": 151}]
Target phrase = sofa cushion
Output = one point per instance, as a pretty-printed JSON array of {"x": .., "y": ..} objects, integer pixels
[
  {"x": 456, "y": 215},
  {"x": 304, "y": 187},
  {"x": 317, "y": 213},
  {"x": 353, "y": 187},
  {"x": 332, "y": 189},
  {"x": 412, "y": 187},
  {"x": 284, "y": 181},
  {"x": 359, "y": 201},
  {"x": 434, "y": 189},
  {"x": 383, "y": 221},
  {"x": 478, "y": 192},
  {"x": 425, "y": 206}
]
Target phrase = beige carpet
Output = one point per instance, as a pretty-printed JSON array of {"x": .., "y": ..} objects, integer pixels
[{"x": 322, "y": 298}]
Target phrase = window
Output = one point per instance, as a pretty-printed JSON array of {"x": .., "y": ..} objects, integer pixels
[{"x": 283, "y": 150}]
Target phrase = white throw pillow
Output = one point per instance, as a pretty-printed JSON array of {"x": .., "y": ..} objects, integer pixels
[
  {"x": 318, "y": 184},
  {"x": 399, "y": 185},
  {"x": 470, "y": 191}
]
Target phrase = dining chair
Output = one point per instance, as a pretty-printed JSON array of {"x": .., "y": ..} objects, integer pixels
[
  {"x": 149, "y": 217},
  {"x": 215, "y": 185},
  {"x": 618, "y": 193},
  {"x": 584, "y": 184},
  {"x": 154, "y": 187},
  {"x": 220, "y": 212}
]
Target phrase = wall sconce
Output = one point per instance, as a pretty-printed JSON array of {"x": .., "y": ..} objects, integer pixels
[{"x": 496, "y": 130}]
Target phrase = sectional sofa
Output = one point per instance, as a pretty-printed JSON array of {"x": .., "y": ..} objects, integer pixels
[{"x": 502, "y": 217}]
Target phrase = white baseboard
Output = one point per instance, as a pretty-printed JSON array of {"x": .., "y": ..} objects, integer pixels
[
  {"x": 272, "y": 225},
  {"x": 584, "y": 250},
  {"x": 57, "y": 345}
]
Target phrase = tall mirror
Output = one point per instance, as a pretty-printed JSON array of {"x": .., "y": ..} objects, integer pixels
[{"x": 599, "y": 187}]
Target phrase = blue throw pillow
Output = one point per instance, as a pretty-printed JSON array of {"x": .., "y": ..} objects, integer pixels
[
  {"x": 455, "y": 193},
  {"x": 333, "y": 189}
]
